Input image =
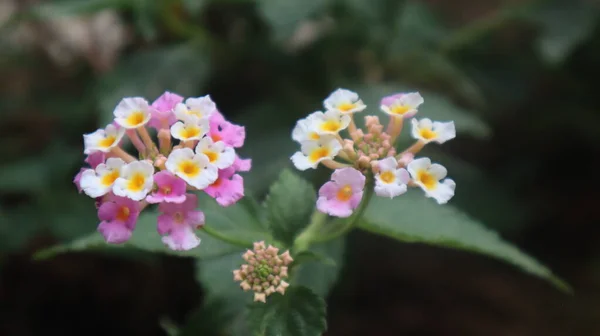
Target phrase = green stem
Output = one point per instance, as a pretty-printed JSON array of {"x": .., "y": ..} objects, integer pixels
[
  {"x": 218, "y": 235},
  {"x": 303, "y": 241}
]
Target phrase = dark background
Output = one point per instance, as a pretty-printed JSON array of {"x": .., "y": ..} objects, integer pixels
[{"x": 524, "y": 74}]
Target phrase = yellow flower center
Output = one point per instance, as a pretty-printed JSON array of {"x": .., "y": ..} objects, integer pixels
[
  {"x": 345, "y": 107},
  {"x": 123, "y": 213},
  {"x": 189, "y": 168},
  {"x": 388, "y": 176},
  {"x": 318, "y": 154},
  {"x": 135, "y": 118},
  {"x": 427, "y": 134},
  {"x": 109, "y": 179},
  {"x": 216, "y": 137},
  {"x": 189, "y": 132},
  {"x": 331, "y": 126},
  {"x": 212, "y": 156},
  {"x": 314, "y": 136},
  {"x": 345, "y": 193},
  {"x": 399, "y": 109},
  {"x": 196, "y": 113},
  {"x": 107, "y": 142},
  {"x": 428, "y": 180},
  {"x": 136, "y": 182}
]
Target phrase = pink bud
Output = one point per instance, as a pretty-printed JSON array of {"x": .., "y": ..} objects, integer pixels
[
  {"x": 272, "y": 250},
  {"x": 283, "y": 272},
  {"x": 260, "y": 297},
  {"x": 282, "y": 286},
  {"x": 406, "y": 158},
  {"x": 237, "y": 275},
  {"x": 245, "y": 286},
  {"x": 287, "y": 259}
]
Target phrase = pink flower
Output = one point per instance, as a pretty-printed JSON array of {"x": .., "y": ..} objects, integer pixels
[
  {"x": 162, "y": 110},
  {"x": 222, "y": 130},
  {"x": 93, "y": 160},
  {"x": 118, "y": 216},
  {"x": 178, "y": 222},
  {"x": 171, "y": 189},
  {"x": 228, "y": 188},
  {"x": 340, "y": 196},
  {"x": 242, "y": 165}
]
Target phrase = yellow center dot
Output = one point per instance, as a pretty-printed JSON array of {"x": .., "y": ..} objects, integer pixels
[
  {"x": 165, "y": 190},
  {"x": 136, "y": 182},
  {"x": 331, "y": 126},
  {"x": 388, "y": 176},
  {"x": 123, "y": 213},
  {"x": 107, "y": 142},
  {"x": 314, "y": 136},
  {"x": 196, "y": 113},
  {"x": 427, "y": 134},
  {"x": 345, "y": 107},
  {"x": 345, "y": 193},
  {"x": 216, "y": 137},
  {"x": 399, "y": 109},
  {"x": 190, "y": 132},
  {"x": 109, "y": 179},
  {"x": 135, "y": 118},
  {"x": 189, "y": 168},
  {"x": 212, "y": 156},
  {"x": 318, "y": 154},
  {"x": 428, "y": 180}
]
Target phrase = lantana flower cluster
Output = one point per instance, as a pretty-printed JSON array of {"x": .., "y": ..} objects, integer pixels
[
  {"x": 371, "y": 153},
  {"x": 264, "y": 272},
  {"x": 195, "y": 151}
]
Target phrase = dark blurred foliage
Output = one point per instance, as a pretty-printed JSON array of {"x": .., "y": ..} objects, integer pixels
[{"x": 520, "y": 77}]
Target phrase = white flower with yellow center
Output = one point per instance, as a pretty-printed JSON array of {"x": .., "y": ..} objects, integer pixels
[
  {"x": 98, "y": 182},
  {"x": 344, "y": 101},
  {"x": 103, "y": 140},
  {"x": 330, "y": 122},
  {"x": 428, "y": 176},
  {"x": 136, "y": 180},
  {"x": 194, "y": 168},
  {"x": 218, "y": 153},
  {"x": 314, "y": 151},
  {"x": 304, "y": 131},
  {"x": 190, "y": 128},
  {"x": 428, "y": 131},
  {"x": 132, "y": 113},
  {"x": 200, "y": 108},
  {"x": 390, "y": 181},
  {"x": 403, "y": 105}
]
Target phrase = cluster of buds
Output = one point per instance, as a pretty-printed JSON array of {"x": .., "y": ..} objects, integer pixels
[
  {"x": 264, "y": 272},
  {"x": 370, "y": 154},
  {"x": 203, "y": 159}
]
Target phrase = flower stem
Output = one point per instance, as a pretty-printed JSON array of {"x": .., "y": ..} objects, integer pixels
[
  {"x": 218, "y": 235},
  {"x": 303, "y": 241}
]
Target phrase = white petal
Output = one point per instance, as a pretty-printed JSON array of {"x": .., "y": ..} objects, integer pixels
[
  {"x": 412, "y": 99},
  {"x": 443, "y": 192},
  {"x": 208, "y": 174},
  {"x": 301, "y": 161},
  {"x": 177, "y": 156},
  {"x": 390, "y": 190},
  {"x": 91, "y": 186},
  {"x": 388, "y": 163},
  {"x": 226, "y": 158},
  {"x": 445, "y": 130},
  {"x": 202, "y": 105},
  {"x": 301, "y": 131},
  {"x": 417, "y": 164},
  {"x": 438, "y": 171}
]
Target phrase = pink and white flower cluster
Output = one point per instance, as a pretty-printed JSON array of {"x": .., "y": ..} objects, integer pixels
[
  {"x": 370, "y": 155},
  {"x": 204, "y": 158}
]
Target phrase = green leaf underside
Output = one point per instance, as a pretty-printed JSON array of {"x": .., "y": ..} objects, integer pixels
[
  {"x": 235, "y": 221},
  {"x": 289, "y": 206},
  {"x": 299, "y": 312},
  {"x": 320, "y": 276},
  {"x": 413, "y": 218}
]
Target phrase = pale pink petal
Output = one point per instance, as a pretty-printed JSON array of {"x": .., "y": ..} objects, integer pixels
[
  {"x": 222, "y": 130},
  {"x": 114, "y": 232},
  {"x": 194, "y": 218},
  {"x": 95, "y": 159},
  {"x": 165, "y": 224},
  {"x": 334, "y": 207},
  {"x": 355, "y": 200},
  {"x": 329, "y": 190},
  {"x": 227, "y": 190},
  {"x": 166, "y": 180},
  {"x": 77, "y": 180},
  {"x": 108, "y": 211},
  {"x": 182, "y": 238},
  {"x": 389, "y": 100},
  {"x": 242, "y": 165},
  {"x": 349, "y": 176},
  {"x": 162, "y": 110}
]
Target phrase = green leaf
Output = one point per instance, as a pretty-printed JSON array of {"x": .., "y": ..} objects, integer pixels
[
  {"x": 311, "y": 256},
  {"x": 564, "y": 25},
  {"x": 413, "y": 218},
  {"x": 289, "y": 206},
  {"x": 417, "y": 27},
  {"x": 299, "y": 312},
  {"x": 233, "y": 221},
  {"x": 321, "y": 275},
  {"x": 181, "y": 68},
  {"x": 284, "y": 16}
]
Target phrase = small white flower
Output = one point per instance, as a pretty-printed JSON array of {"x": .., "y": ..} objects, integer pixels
[
  {"x": 136, "y": 180},
  {"x": 390, "y": 181},
  {"x": 190, "y": 129},
  {"x": 132, "y": 113},
  {"x": 314, "y": 151},
  {"x": 427, "y": 131},
  {"x": 194, "y": 168},
  {"x": 303, "y": 131},
  {"x": 99, "y": 182},
  {"x": 428, "y": 176},
  {"x": 218, "y": 153},
  {"x": 201, "y": 108},
  {"x": 344, "y": 101},
  {"x": 103, "y": 140},
  {"x": 330, "y": 122},
  {"x": 403, "y": 104}
]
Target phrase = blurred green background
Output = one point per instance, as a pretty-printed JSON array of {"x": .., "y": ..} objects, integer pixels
[{"x": 518, "y": 77}]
